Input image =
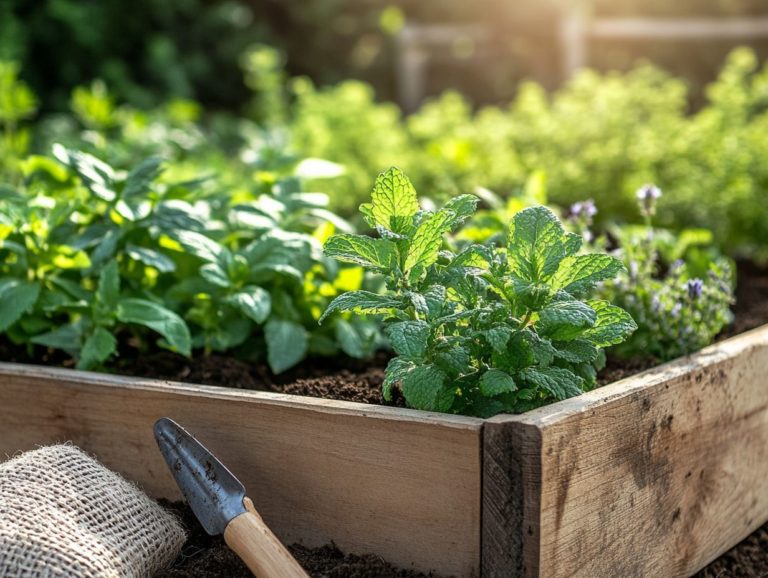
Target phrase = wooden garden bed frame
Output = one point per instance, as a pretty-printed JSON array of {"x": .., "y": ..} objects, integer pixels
[{"x": 657, "y": 474}]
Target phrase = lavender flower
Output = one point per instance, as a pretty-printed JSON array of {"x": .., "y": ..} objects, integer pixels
[
  {"x": 694, "y": 288},
  {"x": 647, "y": 195},
  {"x": 584, "y": 210}
]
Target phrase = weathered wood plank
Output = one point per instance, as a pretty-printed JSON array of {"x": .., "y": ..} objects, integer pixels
[
  {"x": 399, "y": 483},
  {"x": 655, "y": 475},
  {"x": 511, "y": 482}
]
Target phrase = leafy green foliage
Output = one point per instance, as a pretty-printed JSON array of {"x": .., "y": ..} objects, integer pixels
[
  {"x": 676, "y": 286},
  {"x": 483, "y": 328},
  {"x": 600, "y": 135},
  {"x": 93, "y": 258},
  {"x": 17, "y": 103}
]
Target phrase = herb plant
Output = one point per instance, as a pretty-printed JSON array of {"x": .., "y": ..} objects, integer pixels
[
  {"x": 89, "y": 253},
  {"x": 678, "y": 290},
  {"x": 484, "y": 329}
]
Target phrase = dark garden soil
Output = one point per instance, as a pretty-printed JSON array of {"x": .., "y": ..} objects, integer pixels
[
  {"x": 749, "y": 559},
  {"x": 204, "y": 556},
  {"x": 348, "y": 379}
]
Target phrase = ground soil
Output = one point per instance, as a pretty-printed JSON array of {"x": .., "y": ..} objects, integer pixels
[
  {"x": 350, "y": 379},
  {"x": 355, "y": 380},
  {"x": 204, "y": 556}
]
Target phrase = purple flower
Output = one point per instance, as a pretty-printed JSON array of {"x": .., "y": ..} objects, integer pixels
[
  {"x": 586, "y": 209},
  {"x": 647, "y": 195},
  {"x": 694, "y": 287}
]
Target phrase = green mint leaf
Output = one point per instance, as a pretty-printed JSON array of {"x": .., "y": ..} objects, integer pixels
[
  {"x": 580, "y": 273},
  {"x": 387, "y": 234},
  {"x": 379, "y": 254},
  {"x": 572, "y": 243},
  {"x": 151, "y": 258},
  {"x": 435, "y": 298},
  {"x": 564, "y": 320},
  {"x": 495, "y": 382},
  {"x": 393, "y": 201},
  {"x": 199, "y": 245},
  {"x": 498, "y": 337},
  {"x": 253, "y": 301},
  {"x": 560, "y": 383},
  {"x": 108, "y": 289},
  {"x": 397, "y": 369},
  {"x": 427, "y": 240},
  {"x": 533, "y": 296},
  {"x": 409, "y": 338},
  {"x": 366, "y": 209},
  {"x": 106, "y": 248},
  {"x": 287, "y": 344},
  {"x": 97, "y": 176},
  {"x": 576, "y": 351},
  {"x": 363, "y": 302},
  {"x": 67, "y": 338},
  {"x": 473, "y": 257},
  {"x": 419, "y": 302},
  {"x": 462, "y": 207},
  {"x": 97, "y": 349},
  {"x": 424, "y": 388},
  {"x": 543, "y": 350},
  {"x": 16, "y": 299},
  {"x": 613, "y": 325},
  {"x": 159, "y": 319},
  {"x": 454, "y": 360},
  {"x": 140, "y": 177},
  {"x": 349, "y": 340},
  {"x": 535, "y": 244},
  {"x": 213, "y": 273},
  {"x": 518, "y": 353}
]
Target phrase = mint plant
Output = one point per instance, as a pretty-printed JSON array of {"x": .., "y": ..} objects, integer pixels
[
  {"x": 483, "y": 329},
  {"x": 676, "y": 286},
  {"x": 89, "y": 337}
]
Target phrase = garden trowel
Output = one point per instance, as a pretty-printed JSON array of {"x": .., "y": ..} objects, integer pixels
[{"x": 218, "y": 500}]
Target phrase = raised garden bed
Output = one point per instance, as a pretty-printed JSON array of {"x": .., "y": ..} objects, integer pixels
[
  {"x": 660, "y": 472},
  {"x": 679, "y": 452}
]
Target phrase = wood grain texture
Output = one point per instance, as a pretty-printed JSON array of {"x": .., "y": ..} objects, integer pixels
[
  {"x": 250, "y": 538},
  {"x": 511, "y": 482},
  {"x": 655, "y": 475},
  {"x": 399, "y": 483}
]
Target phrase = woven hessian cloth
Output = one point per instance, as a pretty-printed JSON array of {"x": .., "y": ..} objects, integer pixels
[{"x": 64, "y": 514}]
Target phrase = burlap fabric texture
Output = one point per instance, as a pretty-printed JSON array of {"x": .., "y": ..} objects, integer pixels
[{"x": 64, "y": 514}]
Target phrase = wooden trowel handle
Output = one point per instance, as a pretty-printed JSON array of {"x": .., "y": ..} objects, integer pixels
[{"x": 251, "y": 539}]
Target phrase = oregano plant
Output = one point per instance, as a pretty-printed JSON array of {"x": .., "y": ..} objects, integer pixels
[{"x": 481, "y": 329}]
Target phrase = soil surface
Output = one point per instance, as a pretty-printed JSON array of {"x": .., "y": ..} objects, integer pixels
[
  {"x": 348, "y": 379},
  {"x": 205, "y": 556},
  {"x": 749, "y": 559}
]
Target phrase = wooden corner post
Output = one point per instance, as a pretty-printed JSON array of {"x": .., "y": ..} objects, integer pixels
[{"x": 511, "y": 498}]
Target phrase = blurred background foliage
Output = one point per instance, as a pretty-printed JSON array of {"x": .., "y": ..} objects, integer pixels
[
  {"x": 149, "y": 50},
  {"x": 204, "y": 82}
]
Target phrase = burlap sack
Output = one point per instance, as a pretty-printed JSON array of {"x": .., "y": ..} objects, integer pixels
[{"x": 64, "y": 514}]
